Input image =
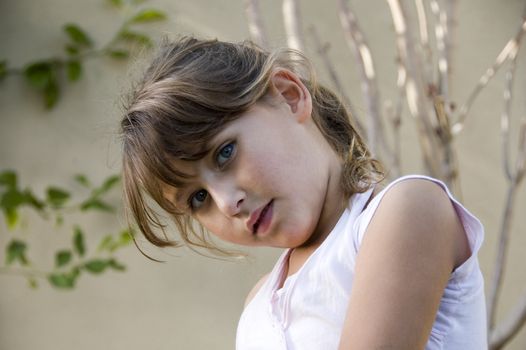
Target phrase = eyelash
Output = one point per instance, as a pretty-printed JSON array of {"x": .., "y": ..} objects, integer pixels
[{"x": 230, "y": 149}]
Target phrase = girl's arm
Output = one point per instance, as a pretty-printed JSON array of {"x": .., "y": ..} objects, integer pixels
[{"x": 411, "y": 246}]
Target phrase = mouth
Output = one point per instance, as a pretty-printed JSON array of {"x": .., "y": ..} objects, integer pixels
[{"x": 261, "y": 218}]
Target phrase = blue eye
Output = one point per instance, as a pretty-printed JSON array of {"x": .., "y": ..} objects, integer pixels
[
  {"x": 197, "y": 199},
  {"x": 225, "y": 153}
]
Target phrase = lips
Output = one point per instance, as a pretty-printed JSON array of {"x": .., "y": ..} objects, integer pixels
[{"x": 260, "y": 219}]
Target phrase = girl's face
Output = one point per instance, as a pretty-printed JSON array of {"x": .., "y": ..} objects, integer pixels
[{"x": 271, "y": 178}]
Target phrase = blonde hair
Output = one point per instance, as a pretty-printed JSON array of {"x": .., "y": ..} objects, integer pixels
[{"x": 190, "y": 91}]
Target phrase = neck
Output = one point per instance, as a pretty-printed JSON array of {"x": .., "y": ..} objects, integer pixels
[{"x": 333, "y": 207}]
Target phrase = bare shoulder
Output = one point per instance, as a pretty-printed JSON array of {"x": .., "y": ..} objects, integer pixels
[
  {"x": 255, "y": 289},
  {"x": 424, "y": 211},
  {"x": 415, "y": 192}
]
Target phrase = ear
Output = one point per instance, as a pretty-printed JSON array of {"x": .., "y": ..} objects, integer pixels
[{"x": 288, "y": 87}]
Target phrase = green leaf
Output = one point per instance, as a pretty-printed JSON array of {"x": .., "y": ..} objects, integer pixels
[
  {"x": 96, "y": 204},
  {"x": 148, "y": 15},
  {"x": 77, "y": 35},
  {"x": 62, "y": 280},
  {"x": 3, "y": 69},
  {"x": 114, "y": 264},
  {"x": 33, "y": 284},
  {"x": 125, "y": 238},
  {"x": 75, "y": 272},
  {"x": 119, "y": 54},
  {"x": 110, "y": 243},
  {"x": 62, "y": 258},
  {"x": 96, "y": 266},
  {"x": 71, "y": 50},
  {"x": 106, "y": 243},
  {"x": 16, "y": 251},
  {"x": 31, "y": 200},
  {"x": 51, "y": 94},
  {"x": 39, "y": 74},
  {"x": 8, "y": 178},
  {"x": 116, "y": 3},
  {"x": 83, "y": 180},
  {"x": 56, "y": 196},
  {"x": 108, "y": 184},
  {"x": 12, "y": 199},
  {"x": 135, "y": 37},
  {"x": 78, "y": 242},
  {"x": 12, "y": 217},
  {"x": 74, "y": 69},
  {"x": 9, "y": 202}
]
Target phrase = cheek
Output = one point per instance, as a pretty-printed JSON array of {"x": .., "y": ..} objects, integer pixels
[
  {"x": 216, "y": 224},
  {"x": 266, "y": 166}
]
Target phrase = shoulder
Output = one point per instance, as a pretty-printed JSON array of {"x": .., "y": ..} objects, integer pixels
[
  {"x": 414, "y": 191},
  {"x": 255, "y": 289},
  {"x": 418, "y": 212}
]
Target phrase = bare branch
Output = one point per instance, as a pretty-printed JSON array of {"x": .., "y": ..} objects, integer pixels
[
  {"x": 500, "y": 262},
  {"x": 509, "y": 327},
  {"x": 450, "y": 24},
  {"x": 508, "y": 51},
  {"x": 424, "y": 40},
  {"x": 441, "y": 33},
  {"x": 322, "y": 49},
  {"x": 506, "y": 115},
  {"x": 356, "y": 41},
  {"x": 521, "y": 156},
  {"x": 394, "y": 114},
  {"x": 292, "y": 20},
  {"x": 255, "y": 23},
  {"x": 415, "y": 88}
]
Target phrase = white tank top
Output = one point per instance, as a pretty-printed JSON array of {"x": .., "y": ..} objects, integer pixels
[{"x": 309, "y": 310}]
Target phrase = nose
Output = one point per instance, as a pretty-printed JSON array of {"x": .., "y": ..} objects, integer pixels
[{"x": 228, "y": 197}]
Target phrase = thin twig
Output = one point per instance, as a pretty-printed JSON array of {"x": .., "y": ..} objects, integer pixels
[
  {"x": 292, "y": 21},
  {"x": 394, "y": 116},
  {"x": 506, "y": 114},
  {"x": 514, "y": 178},
  {"x": 357, "y": 43},
  {"x": 510, "y": 326},
  {"x": 521, "y": 156},
  {"x": 322, "y": 49},
  {"x": 424, "y": 40},
  {"x": 255, "y": 23},
  {"x": 504, "y": 55},
  {"x": 500, "y": 262},
  {"x": 449, "y": 162},
  {"x": 450, "y": 25},
  {"x": 415, "y": 87},
  {"x": 441, "y": 33}
]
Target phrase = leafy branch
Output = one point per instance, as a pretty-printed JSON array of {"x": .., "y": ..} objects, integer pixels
[
  {"x": 46, "y": 76},
  {"x": 69, "y": 262}
]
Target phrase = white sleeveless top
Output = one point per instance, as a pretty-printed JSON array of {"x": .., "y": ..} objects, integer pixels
[{"x": 309, "y": 310}]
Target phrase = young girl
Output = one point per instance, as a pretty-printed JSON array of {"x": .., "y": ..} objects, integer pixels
[{"x": 244, "y": 144}]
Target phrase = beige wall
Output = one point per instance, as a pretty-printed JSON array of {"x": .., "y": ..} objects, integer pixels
[{"x": 191, "y": 302}]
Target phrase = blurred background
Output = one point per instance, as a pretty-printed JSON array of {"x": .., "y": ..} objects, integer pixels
[{"x": 61, "y": 281}]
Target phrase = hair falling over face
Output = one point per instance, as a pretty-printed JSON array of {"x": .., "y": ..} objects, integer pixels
[{"x": 189, "y": 92}]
